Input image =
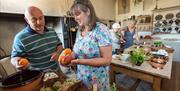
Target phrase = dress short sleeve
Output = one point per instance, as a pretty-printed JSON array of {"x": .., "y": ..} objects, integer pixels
[{"x": 103, "y": 36}]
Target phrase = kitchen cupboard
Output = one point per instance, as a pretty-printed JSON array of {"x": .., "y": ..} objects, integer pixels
[
  {"x": 105, "y": 9},
  {"x": 166, "y": 20},
  {"x": 49, "y": 7}
]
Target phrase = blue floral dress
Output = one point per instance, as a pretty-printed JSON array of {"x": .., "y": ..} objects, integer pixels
[{"x": 88, "y": 47}]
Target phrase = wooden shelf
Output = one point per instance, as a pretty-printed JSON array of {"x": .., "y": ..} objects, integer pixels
[
  {"x": 166, "y": 9},
  {"x": 144, "y": 23}
]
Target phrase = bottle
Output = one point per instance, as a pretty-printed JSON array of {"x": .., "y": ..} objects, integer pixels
[{"x": 95, "y": 79}]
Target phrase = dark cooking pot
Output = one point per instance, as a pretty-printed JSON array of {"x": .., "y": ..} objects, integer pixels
[{"x": 25, "y": 80}]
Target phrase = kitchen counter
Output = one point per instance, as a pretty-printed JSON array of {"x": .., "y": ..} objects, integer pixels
[
  {"x": 172, "y": 40},
  {"x": 144, "y": 72},
  {"x": 147, "y": 68}
]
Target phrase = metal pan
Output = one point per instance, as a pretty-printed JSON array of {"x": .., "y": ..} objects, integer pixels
[{"x": 25, "y": 80}]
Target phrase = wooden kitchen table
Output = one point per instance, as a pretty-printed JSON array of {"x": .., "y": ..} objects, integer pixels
[{"x": 144, "y": 72}]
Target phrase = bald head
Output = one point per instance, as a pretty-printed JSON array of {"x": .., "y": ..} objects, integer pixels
[
  {"x": 30, "y": 10},
  {"x": 35, "y": 18}
]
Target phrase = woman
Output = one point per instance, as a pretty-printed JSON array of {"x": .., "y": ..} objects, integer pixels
[
  {"x": 92, "y": 48},
  {"x": 117, "y": 37},
  {"x": 130, "y": 33}
]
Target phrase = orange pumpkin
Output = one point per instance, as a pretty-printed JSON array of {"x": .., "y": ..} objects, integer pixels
[
  {"x": 65, "y": 57},
  {"x": 61, "y": 57},
  {"x": 23, "y": 62},
  {"x": 64, "y": 60},
  {"x": 67, "y": 51}
]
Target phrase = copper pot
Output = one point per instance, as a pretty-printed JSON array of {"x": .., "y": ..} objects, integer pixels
[
  {"x": 157, "y": 65},
  {"x": 158, "y": 61},
  {"x": 25, "y": 80}
]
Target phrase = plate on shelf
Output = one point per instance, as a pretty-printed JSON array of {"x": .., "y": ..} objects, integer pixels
[
  {"x": 169, "y": 16},
  {"x": 158, "y": 17},
  {"x": 158, "y": 24},
  {"x": 178, "y": 15},
  {"x": 170, "y": 22},
  {"x": 178, "y": 29},
  {"x": 177, "y": 22},
  {"x": 157, "y": 30},
  {"x": 164, "y": 29},
  {"x": 164, "y": 22},
  {"x": 169, "y": 29}
]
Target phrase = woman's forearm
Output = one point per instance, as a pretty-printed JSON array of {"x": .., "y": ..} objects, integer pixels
[{"x": 95, "y": 61}]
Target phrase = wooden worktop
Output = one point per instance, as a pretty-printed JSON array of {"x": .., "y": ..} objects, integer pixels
[{"x": 147, "y": 68}]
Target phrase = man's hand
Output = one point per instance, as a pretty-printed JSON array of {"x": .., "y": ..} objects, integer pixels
[
  {"x": 15, "y": 62},
  {"x": 22, "y": 67},
  {"x": 23, "y": 63},
  {"x": 54, "y": 56}
]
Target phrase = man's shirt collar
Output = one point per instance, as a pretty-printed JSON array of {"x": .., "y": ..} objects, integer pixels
[{"x": 29, "y": 29}]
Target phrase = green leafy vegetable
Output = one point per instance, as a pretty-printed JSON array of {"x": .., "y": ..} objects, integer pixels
[
  {"x": 158, "y": 43},
  {"x": 138, "y": 55}
]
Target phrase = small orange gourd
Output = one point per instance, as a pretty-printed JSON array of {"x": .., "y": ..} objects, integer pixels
[
  {"x": 23, "y": 62},
  {"x": 63, "y": 59}
]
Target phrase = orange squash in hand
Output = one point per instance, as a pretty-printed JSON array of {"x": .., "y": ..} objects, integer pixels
[
  {"x": 61, "y": 57},
  {"x": 67, "y": 51},
  {"x": 23, "y": 62},
  {"x": 65, "y": 60},
  {"x": 65, "y": 57}
]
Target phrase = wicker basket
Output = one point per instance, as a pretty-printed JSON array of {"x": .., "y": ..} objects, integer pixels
[{"x": 61, "y": 78}]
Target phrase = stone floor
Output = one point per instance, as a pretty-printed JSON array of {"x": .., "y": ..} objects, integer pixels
[
  {"x": 172, "y": 84},
  {"x": 126, "y": 82}
]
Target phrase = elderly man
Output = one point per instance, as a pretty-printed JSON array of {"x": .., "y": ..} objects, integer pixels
[{"x": 37, "y": 43}]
